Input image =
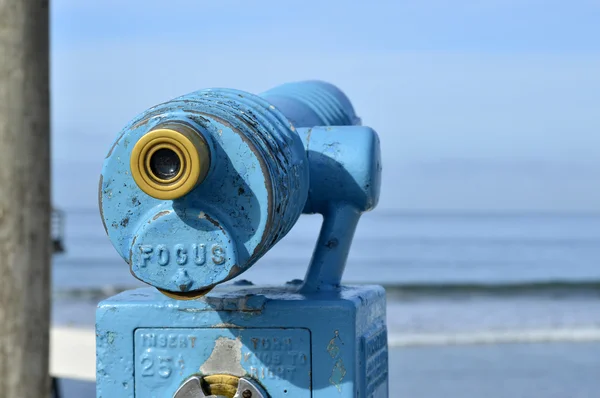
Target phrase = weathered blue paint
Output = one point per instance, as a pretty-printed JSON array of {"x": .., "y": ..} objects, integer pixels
[
  {"x": 295, "y": 149},
  {"x": 252, "y": 196},
  {"x": 255, "y": 191},
  {"x": 320, "y": 345},
  {"x": 345, "y": 178}
]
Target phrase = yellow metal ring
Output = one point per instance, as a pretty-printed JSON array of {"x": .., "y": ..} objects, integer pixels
[
  {"x": 222, "y": 385},
  {"x": 192, "y": 151},
  {"x": 150, "y": 179},
  {"x": 193, "y": 295}
]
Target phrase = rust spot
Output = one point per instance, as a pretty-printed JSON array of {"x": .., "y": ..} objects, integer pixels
[
  {"x": 255, "y": 342},
  {"x": 135, "y": 201},
  {"x": 235, "y": 271},
  {"x": 241, "y": 191},
  {"x": 215, "y": 223},
  {"x": 212, "y": 220},
  {"x": 160, "y": 214},
  {"x": 193, "y": 341},
  {"x": 124, "y": 222}
]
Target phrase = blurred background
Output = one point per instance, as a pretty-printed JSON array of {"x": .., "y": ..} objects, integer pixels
[{"x": 487, "y": 235}]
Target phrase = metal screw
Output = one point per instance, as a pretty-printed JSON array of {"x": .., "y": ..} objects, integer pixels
[{"x": 246, "y": 394}]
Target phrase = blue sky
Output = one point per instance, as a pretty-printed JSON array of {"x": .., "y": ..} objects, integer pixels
[{"x": 489, "y": 105}]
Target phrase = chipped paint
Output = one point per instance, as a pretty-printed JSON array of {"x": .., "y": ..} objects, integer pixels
[
  {"x": 225, "y": 358},
  {"x": 252, "y": 304},
  {"x": 100, "y": 182},
  {"x": 332, "y": 348},
  {"x": 257, "y": 187},
  {"x": 114, "y": 145},
  {"x": 225, "y": 325},
  {"x": 337, "y": 374},
  {"x": 308, "y": 134},
  {"x": 160, "y": 214},
  {"x": 129, "y": 259},
  {"x": 215, "y": 223},
  {"x": 257, "y": 253}
]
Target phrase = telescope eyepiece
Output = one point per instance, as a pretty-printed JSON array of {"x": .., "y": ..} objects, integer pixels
[{"x": 169, "y": 161}]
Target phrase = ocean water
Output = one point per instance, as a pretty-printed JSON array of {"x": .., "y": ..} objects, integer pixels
[
  {"x": 389, "y": 247},
  {"x": 495, "y": 305},
  {"x": 446, "y": 273}
]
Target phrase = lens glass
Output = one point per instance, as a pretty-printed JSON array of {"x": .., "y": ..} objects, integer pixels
[{"x": 165, "y": 164}]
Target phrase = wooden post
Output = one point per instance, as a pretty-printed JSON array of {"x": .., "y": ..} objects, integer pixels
[{"x": 24, "y": 198}]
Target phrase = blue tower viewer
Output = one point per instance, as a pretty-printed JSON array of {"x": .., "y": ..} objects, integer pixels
[{"x": 194, "y": 192}]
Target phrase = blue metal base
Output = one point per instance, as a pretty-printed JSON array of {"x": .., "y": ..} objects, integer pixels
[{"x": 326, "y": 344}]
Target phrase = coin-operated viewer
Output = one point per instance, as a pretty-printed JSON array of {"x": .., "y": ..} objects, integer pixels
[{"x": 194, "y": 192}]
